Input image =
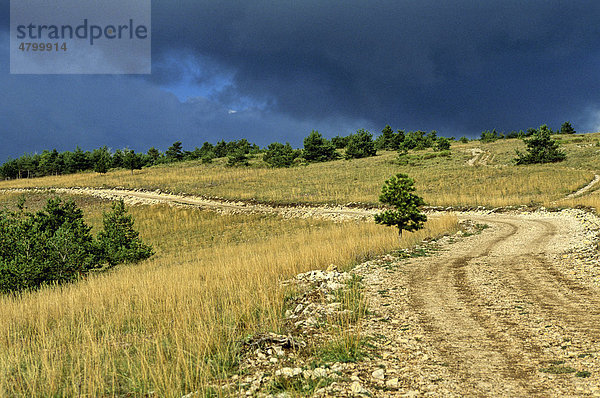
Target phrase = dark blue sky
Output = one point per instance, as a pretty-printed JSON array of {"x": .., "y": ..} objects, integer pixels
[{"x": 274, "y": 70}]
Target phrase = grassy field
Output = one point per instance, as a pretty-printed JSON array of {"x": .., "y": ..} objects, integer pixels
[
  {"x": 443, "y": 181},
  {"x": 170, "y": 324}
]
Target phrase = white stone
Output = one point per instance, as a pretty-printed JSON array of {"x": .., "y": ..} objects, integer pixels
[
  {"x": 320, "y": 372},
  {"x": 307, "y": 374},
  {"x": 358, "y": 389},
  {"x": 285, "y": 372},
  {"x": 379, "y": 374},
  {"x": 392, "y": 383}
]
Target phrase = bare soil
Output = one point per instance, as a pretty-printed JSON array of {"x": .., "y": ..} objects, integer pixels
[{"x": 513, "y": 311}]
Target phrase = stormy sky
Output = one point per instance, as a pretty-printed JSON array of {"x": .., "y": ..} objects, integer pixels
[{"x": 275, "y": 70}]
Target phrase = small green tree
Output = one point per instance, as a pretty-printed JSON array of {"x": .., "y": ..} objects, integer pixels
[
  {"x": 442, "y": 144},
  {"x": 318, "y": 149},
  {"x": 238, "y": 157},
  {"x": 153, "y": 155},
  {"x": 279, "y": 155},
  {"x": 385, "y": 140},
  {"x": 490, "y": 136},
  {"x": 360, "y": 145},
  {"x": 131, "y": 160},
  {"x": 566, "y": 128},
  {"x": 541, "y": 148},
  {"x": 119, "y": 242},
  {"x": 174, "y": 152},
  {"x": 340, "y": 142},
  {"x": 415, "y": 140},
  {"x": 53, "y": 245},
  {"x": 102, "y": 160},
  {"x": 406, "y": 215}
]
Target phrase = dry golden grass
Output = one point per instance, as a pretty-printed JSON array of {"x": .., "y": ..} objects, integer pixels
[
  {"x": 591, "y": 200},
  {"x": 170, "y": 324},
  {"x": 442, "y": 181}
]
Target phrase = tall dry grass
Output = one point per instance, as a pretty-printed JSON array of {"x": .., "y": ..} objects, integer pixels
[
  {"x": 170, "y": 324},
  {"x": 591, "y": 200}
]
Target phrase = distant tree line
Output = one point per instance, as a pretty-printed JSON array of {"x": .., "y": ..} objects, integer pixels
[
  {"x": 103, "y": 159},
  {"x": 493, "y": 135},
  {"x": 316, "y": 149}
]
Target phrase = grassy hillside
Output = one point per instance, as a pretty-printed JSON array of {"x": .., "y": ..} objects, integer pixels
[
  {"x": 170, "y": 324},
  {"x": 441, "y": 180}
]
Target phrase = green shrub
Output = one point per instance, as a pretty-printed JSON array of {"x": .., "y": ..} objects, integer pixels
[
  {"x": 318, "y": 149},
  {"x": 340, "y": 142},
  {"x": 390, "y": 140},
  {"x": 541, "y": 148},
  {"x": 360, "y": 145},
  {"x": 566, "y": 128},
  {"x": 239, "y": 157},
  {"x": 54, "y": 245},
  {"x": 442, "y": 144},
  {"x": 279, "y": 155},
  {"x": 415, "y": 140},
  {"x": 490, "y": 136},
  {"x": 119, "y": 242}
]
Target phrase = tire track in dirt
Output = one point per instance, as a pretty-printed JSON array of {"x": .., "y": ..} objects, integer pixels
[
  {"x": 465, "y": 301},
  {"x": 476, "y": 345},
  {"x": 562, "y": 299},
  {"x": 585, "y": 189}
]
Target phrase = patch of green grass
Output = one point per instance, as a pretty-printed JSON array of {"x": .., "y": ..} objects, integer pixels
[
  {"x": 345, "y": 350},
  {"x": 583, "y": 373},
  {"x": 557, "y": 368},
  {"x": 585, "y": 355},
  {"x": 419, "y": 253}
]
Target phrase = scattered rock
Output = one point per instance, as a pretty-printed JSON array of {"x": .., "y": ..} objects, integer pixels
[
  {"x": 379, "y": 374},
  {"x": 357, "y": 389}
]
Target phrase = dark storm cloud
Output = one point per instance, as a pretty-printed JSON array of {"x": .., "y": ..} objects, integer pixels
[
  {"x": 53, "y": 111},
  {"x": 463, "y": 64},
  {"x": 288, "y": 67}
]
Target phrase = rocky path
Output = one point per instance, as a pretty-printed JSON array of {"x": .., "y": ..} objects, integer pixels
[
  {"x": 479, "y": 157},
  {"x": 585, "y": 189},
  {"x": 513, "y": 311},
  {"x": 509, "y": 308},
  {"x": 137, "y": 197}
]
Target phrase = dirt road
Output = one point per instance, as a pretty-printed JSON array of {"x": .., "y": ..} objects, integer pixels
[
  {"x": 502, "y": 313},
  {"x": 137, "y": 197}
]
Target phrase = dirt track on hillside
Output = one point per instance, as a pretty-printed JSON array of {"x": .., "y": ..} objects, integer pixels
[
  {"x": 485, "y": 315},
  {"x": 138, "y": 197},
  {"x": 585, "y": 189}
]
